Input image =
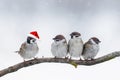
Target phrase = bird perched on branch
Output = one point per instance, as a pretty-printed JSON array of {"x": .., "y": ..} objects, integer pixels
[
  {"x": 29, "y": 48},
  {"x": 91, "y": 48},
  {"x": 75, "y": 45},
  {"x": 59, "y": 47}
]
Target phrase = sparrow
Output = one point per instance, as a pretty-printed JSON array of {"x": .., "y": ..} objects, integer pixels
[
  {"x": 59, "y": 47},
  {"x": 75, "y": 45},
  {"x": 29, "y": 48},
  {"x": 91, "y": 48}
]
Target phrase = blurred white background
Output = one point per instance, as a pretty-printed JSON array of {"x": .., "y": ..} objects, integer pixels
[{"x": 98, "y": 18}]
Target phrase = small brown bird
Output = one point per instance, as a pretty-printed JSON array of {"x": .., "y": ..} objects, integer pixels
[
  {"x": 59, "y": 47},
  {"x": 91, "y": 48},
  {"x": 75, "y": 45},
  {"x": 29, "y": 48}
]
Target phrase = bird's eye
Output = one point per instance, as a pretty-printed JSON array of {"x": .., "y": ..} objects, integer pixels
[
  {"x": 57, "y": 40},
  {"x": 33, "y": 40},
  {"x": 76, "y": 36}
]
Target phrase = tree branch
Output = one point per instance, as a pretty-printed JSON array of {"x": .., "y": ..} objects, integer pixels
[{"x": 59, "y": 60}]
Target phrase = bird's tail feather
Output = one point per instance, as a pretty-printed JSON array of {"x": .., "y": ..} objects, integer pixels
[{"x": 16, "y": 51}]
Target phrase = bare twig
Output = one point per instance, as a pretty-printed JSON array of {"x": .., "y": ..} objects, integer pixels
[{"x": 58, "y": 60}]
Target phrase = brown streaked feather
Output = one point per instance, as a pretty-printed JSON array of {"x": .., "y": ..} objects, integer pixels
[
  {"x": 75, "y": 33},
  {"x": 96, "y": 40},
  {"x": 59, "y": 37},
  {"x": 22, "y": 48},
  {"x": 86, "y": 45},
  {"x": 68, "y": 47}
]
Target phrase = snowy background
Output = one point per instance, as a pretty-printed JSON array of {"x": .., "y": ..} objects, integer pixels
[{"x": 98, "y": 18}]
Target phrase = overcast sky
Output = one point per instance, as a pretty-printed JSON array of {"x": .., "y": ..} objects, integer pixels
[{"x": 99, "y": 18}]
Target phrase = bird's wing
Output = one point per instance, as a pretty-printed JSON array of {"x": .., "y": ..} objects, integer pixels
[
  {"x": 22, "y": 48},
  {"x": 68, "y": 45},
  {"x": 86, "y": 45}
]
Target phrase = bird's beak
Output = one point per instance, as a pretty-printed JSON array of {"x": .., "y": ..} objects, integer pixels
[
  {"x": 70, "y": 34},
  {"x": 53, "y": 38}
]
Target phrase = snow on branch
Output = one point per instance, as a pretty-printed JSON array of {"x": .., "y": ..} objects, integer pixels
[{"x": 58, "y": 60}]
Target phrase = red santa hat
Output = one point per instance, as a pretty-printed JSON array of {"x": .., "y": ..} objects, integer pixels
[{"x": 34, "y": 34}]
